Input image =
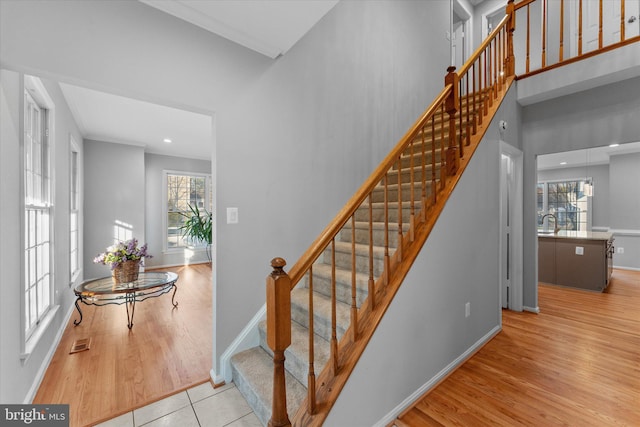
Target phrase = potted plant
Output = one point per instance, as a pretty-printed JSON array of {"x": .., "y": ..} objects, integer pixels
[
  {"x": 198, "y": 227},
  {"x": 125, "y": 259}
]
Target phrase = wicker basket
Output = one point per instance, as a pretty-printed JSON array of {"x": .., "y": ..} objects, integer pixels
[{"x": 126, "y": 272}]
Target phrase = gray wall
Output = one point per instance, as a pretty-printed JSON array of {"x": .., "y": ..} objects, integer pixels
[
  {"x": 155, "y": 165},
  {"x": 600, "y": 205},
  {"x": 17, "y": 377},
  {"x": 114, "y": 190},
  {"x": 586, "y": 119},
  {"x": 425, "y": 329},
  {"x": 287, "y": 128},
  {"x": 297, "y": 144},
  {"x": 625, "y": 208}
]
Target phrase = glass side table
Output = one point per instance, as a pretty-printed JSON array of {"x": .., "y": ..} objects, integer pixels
[{"x": 105, "y": 291}]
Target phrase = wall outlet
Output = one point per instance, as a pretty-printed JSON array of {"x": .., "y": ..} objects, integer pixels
[
  {"x": 467, "y": 309},
  {"x": 620, "y": 250},
  {"x": 579, "y": 250},
  {"x": 232, "y": 215}
]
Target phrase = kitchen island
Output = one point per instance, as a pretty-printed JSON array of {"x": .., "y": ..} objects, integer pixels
[{"x": 578, "y": 259}]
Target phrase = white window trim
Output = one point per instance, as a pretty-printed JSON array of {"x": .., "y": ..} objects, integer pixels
[
  {"x": 74, "y": 147},
  {"x": 545, "y": 198},
  {"x": 165, "y": 201},
  {"x": 38, "y": 92}
]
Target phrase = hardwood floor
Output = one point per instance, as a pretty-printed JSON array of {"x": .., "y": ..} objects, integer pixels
[
  {"x": 577, "y": 363},
  {"x": 166, "y": 351}
]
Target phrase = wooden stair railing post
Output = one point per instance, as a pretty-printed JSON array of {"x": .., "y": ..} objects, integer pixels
[
  {"x": 510, "y": 61},
  {"x": 451, "y": 104},
  {"x": 279, "y": 337}
]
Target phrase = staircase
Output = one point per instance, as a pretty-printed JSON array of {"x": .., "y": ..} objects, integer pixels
[
  {"x": 420, "y": 162},
  {"x": 338, "y": 291}
]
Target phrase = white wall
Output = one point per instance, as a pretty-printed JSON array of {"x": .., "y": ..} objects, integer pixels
[
  {"x": 308, "y": 126},
  {"x": 298, "y": 143},
  {"x": 114, "y": 190},
  {"x": 155, "y": 165},
  {"x": 18, "y": 378}
]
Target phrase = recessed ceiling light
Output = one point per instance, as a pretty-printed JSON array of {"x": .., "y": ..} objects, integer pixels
[
  {"x": 167, "y": 140},
  {"x": 613, "y": 145},
  {"x": 563, "y": 163}
]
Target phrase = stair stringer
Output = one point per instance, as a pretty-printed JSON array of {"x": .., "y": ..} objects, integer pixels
[{"x": 350, "y": 350}]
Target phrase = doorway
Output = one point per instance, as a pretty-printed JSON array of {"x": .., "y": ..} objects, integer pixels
[
  {"x": 511, "y": 268},
  {"x": 460, "y": 34}
]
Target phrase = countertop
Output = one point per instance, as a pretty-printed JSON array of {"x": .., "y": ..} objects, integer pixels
[{"x": 585, "y": 235}]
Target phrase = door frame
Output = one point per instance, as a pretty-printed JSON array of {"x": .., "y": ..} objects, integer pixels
[{"x": 516, "y": 212}]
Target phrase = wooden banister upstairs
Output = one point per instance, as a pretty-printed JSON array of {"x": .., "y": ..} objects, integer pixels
[
  {"x": 377, "y": 235},
  {"x": 598, "y": 29}
]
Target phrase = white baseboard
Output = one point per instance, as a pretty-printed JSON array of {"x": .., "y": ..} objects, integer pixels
[
  {"x": 409, "y": 401},
  {"x": 619, "y": 267},
  {"x": 531, "y": 309},
  {"x": 47, "y": 360},
  {"x": 217, "y": 379},
  {"x": 249, "y": 337}
]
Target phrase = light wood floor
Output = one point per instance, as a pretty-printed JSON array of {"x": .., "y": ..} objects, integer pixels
[
  {"x": 167, "y": 351},
  {"x": 577, "y": 363}
]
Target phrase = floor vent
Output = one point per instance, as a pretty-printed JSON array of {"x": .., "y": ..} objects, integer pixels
[{"x": 80, "y": 345}]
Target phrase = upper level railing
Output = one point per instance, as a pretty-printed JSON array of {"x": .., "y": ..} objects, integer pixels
[
  {"x": 394, "y": 210},
  {"x": 551, "y": 33}
]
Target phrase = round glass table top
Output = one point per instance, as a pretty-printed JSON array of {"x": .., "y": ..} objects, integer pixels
[{"x": 107, "y": 285}]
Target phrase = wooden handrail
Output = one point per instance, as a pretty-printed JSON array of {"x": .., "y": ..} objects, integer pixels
[
  {"x": 318, "y": 246},
  {"x": 485, "y": 44}
]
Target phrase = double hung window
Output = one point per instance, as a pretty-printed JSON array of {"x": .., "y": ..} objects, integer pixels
[
  {"x": 183, "y": 191},
  {"x": 38, "y": 213},
  {"x": 568, "y": 201}
]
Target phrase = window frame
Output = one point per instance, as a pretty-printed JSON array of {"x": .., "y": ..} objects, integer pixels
[
  {"x": 34, "y": 205},
  {"x": 208, "y": 202},
  {"x": 75, "y": 210},
  {"x": 545, "y": 203}
]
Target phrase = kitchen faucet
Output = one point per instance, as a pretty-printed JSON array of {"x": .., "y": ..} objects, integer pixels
[{"x": 555, "y": 222}]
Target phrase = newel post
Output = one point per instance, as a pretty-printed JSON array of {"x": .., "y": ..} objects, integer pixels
[
  {"x": 451, "y": 105},
  {"x": 510, "y": 60},
  {"x": 278, "y": 337}
]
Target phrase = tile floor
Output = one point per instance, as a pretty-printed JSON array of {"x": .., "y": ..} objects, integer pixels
[{"x": 200, "y": 406}]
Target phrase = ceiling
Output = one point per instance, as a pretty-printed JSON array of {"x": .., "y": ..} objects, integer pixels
[
  {"x": 105, "y": 117},
  {"x": 269, "y": 27},
  {"x": 582, "y": 158}
]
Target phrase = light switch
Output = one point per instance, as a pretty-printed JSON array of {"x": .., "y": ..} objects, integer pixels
[
  {"x": 232, "y": 215},
  {"x": 579, "y": 250}
]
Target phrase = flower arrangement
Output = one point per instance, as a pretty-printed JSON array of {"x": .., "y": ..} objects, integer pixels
[{"x": 116, "y": 254}]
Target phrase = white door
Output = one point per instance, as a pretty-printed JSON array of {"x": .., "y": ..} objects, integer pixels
[
  {"x": 511, "y": 269},
  {"x": 611, "y": 10},
  {"x": 506, "y": 166}
]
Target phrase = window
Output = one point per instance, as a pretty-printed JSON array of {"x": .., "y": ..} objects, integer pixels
[
  {"x": 74, "y": 210},
  {"x": 568, "y": 201},
  {"x": 184, "y": 190},
  {"x": 38, "y": 210}
]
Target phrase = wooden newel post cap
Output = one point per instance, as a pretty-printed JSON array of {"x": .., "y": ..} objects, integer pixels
[
  {"x": 278, "y": 265},
  {"x": 451, "y": 69}
]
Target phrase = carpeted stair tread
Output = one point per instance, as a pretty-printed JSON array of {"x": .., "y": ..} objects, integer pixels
[
  {"x": 253, "y": 375},
  {"x": 321, "y": 313},
  {"x": 297, "y": 355}
]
